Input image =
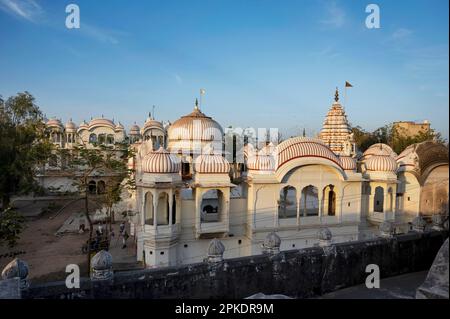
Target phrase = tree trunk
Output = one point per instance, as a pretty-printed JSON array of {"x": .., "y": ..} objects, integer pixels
[{"x": 6, "y": 200}]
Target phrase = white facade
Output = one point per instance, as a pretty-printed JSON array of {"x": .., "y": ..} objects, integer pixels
[{"x": 187, "y": 192}]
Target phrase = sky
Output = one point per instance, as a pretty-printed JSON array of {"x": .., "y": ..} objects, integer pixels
[{"x": 262, "y": 63}]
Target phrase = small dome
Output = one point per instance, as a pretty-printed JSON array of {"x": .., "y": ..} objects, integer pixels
[
  {"x": 70, "y": 126},
  {"x": 120, "y": 127},
  {"x": 102, "y": 260},
  {"x": 261, "y": 162},
  {"x": 348, "y": 163},
  {"x": 134, "y": 130},
  {"x": 195, "y": 126},
  {"x": 324, "y": 234},
  {"x": 101, "y": 122},
  {"x": 83, "y": 125},
  {"x": 216, "y": 248},
  {"x": 272, "y": 241},
  {"x": 376, "y": 149},
  {"x": 161, "y": 161},
  {"x": 381, "y": 161},
  {"x": 54, "y": 122},
  {"x": 16, "y": 268},
  {"x": 419, "y": 222},
  {"x": 152, "y": 123},
  {"x": 386, "y": 228},
  {"x": 212, "y": 164}
]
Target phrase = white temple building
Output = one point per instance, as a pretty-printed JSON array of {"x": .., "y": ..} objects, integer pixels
[{"x": 187, "y": 192}]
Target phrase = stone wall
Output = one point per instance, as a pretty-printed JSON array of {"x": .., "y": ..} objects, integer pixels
[{"x": 297, "y": 273}]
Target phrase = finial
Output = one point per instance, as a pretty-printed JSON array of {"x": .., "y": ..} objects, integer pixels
[
  {"x": 196, "y": 104},
  {"x": 336, "y": 95}
]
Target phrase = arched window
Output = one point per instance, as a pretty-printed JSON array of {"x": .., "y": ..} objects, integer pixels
[
  {"x": 330, "y": 200},
  {"x": 148, "y": 209},
  {"x": 309, "y": 201},
  {"x": 92, "y": 187},
  {"x": 174, "y": 209},
  {"x": 211, "y": 207},
  {"x": 287, "y": 203},
  {"x": 92, "y": 138},
  {"x": 101, "y": 187},
  {"x": 101, "y": 138},
  {"x": 391, "y": 199},
  {"x": 378, "y": 201},
  {"x": 163, "y": 209},
  {"x": 110, "y": 139}
]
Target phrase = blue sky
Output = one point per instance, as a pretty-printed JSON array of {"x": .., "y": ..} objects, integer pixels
[{"x": 263, "y": 63}]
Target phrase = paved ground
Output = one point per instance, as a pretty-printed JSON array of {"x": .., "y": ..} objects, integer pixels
[{"x": 398, "y": 287}]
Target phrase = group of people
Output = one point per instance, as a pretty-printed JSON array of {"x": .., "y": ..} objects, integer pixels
[{"x": 101, "y": 235}]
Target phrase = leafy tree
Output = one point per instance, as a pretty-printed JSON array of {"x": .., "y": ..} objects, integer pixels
[
  {"x": 11, "y": 224},
  {"x": 24, "y": 146},
  {"x": 396, "y": 139},
  {"x": 100, "y": 160}
]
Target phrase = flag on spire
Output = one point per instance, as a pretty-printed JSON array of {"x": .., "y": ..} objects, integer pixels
[{"x": 348, "y": 85}]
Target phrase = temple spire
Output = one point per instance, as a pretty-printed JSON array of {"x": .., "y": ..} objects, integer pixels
[{"x": 336, "y": 95}]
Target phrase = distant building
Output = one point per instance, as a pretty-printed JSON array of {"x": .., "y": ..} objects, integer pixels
[{"x": 410, "y": 129}]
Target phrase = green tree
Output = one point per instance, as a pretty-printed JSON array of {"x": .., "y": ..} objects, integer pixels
[
  {"x": 24, "y": 146},
  {"x": 11, "y": 225},
  {"x": 87, "y": 162}
]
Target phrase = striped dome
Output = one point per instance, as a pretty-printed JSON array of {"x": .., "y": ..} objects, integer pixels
[
  {"x": 348, "y": 163},
  {"x": 195, "y": 126},
  {"x": 83, "y": 125},
  {"x": 161, "y": 161},
  {"x": 119, "y": 127},
  {"x": 212, "y": 164},
  {"x": 298, "y": 147},
  {"x": 152, "y": 123},
  {"x": 134, "y": 130},
  {"x": 381, "y": 161},
  {"x": 101, "y": 122},
  {"x": 54, "y": 123},
  {"x": 261, "y": 162},
  {"x": 70, "y": 126},
  {"x": 376, "y": 149}
]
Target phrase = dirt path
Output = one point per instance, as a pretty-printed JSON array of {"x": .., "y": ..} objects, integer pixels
[{"x": 47, "y": 254}]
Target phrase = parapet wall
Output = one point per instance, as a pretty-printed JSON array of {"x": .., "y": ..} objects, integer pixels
[{"x": 297, "y": 273}]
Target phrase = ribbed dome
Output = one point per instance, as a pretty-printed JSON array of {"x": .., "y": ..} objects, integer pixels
[
  {"x": 272, "y": 240},
  {"x": 336, "y": 130},
  {"x": 375, "y": 149},
  {"x": 70, "y": 126},
  {"x": 152, "y": 123},
  {"x": 381, "y": 161},
  {"x": 120, "y": 127},
  {"x": 134, "y": 130},
  {"x": 261, "y": 162},
  {"x": 161, "y": 161},
  {"x": 212, "y": 164},
  {"x": 216, "y": 248},
  {"x": 298, "y": 147},
  {"x": 195, "y": 126},
  {"x": 54, "y": 123},
  {"x": 348, "y": 163},
  {"x": 83, "y": 125},
  {"x": 101, "y": 122}
]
